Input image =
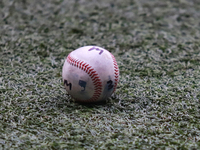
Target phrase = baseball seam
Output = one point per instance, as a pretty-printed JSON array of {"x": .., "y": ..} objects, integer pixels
[
  {"x": 91, "y": 72},
  {"x": 116, "y": 72}
]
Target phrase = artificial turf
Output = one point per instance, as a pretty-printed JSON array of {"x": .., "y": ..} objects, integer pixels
[{"x": 156, "y": 45}]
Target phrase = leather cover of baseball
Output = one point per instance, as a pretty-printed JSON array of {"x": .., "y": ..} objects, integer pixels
[{"x": 90, "y": 74}]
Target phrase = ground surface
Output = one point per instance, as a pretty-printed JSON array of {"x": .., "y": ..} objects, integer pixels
[{"x": 156, "y": 44}]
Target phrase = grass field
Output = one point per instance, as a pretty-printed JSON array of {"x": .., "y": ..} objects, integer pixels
[{"x": 156, "y": 45}]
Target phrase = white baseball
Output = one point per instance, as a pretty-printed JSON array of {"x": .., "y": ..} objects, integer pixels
[{"x": 90, "y": 74}]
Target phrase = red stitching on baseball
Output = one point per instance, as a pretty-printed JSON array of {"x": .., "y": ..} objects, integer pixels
[
  {"x": 91, "y": 72},
  {"x": 116, "y": 72}
]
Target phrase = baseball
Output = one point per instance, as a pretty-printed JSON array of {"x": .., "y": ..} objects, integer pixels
[{"x": 90, "y": 74}]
